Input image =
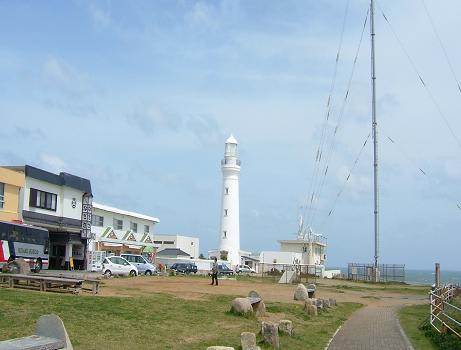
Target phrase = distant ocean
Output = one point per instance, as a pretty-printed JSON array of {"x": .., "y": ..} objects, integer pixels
[{"x": 421, "y": 276}]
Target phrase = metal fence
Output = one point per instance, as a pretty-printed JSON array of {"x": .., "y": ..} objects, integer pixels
[
  {"x": 290, "y": 273},
  {"x": 365, "y": 272},
  {"x": 444, "y": 315}
]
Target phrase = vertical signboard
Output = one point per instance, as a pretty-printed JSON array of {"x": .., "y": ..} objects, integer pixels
[{"x": 87, "y": 208}]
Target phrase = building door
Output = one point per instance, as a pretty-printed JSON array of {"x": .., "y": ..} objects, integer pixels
[{"x": 58, "y": 256}]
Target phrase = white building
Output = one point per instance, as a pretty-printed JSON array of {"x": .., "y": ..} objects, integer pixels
[
  {"x": 229, "y": 234},
  {"x": 119, "y": 231},
  {"x": 60, "y": 203},
  {"x": 189, "y": 245},
  {"x": 308, "y": 249}
]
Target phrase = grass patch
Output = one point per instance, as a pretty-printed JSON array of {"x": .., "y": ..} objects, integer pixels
[
  {"x": 381, "y": 287},
  {"x": 415, "y": 322},
  {"x": 311, "y": 332},
  {"x": 411, "y": 319},
  {"x": 158, "y": 321}
]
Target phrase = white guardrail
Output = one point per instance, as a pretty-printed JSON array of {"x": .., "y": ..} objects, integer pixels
[{"x": 445, "y": 315}]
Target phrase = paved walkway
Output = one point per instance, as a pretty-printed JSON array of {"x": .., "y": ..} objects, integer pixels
[{"x": 372, "y": 327}]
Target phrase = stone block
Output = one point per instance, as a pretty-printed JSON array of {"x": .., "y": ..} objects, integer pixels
[
  {"x": 311, "y": 310},
  {"x": 248, "y": 341},
  {"x": 259, "y": 308},
  {"x": 18, "y": 266},
  {"x": 241, "y": 306},
  {"x": 270, "y": 333},
  {"x": 51, "y": 326},
  {"x": 301, "y": 292},
  {"x": 286, "y": 327}
]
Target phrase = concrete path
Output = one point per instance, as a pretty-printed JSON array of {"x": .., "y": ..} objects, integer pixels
[{"x": 373, "y": 327}]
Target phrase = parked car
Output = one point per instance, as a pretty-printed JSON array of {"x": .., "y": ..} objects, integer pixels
[
  {"x": 224, "y": 270},
  {"x": 184, "y": 267},
  {"x": 143, "y": 265},
  {"x": 96, "y": 266},
  {"x": 244, "y": 269},
  {"x": 116, "y": 265}
]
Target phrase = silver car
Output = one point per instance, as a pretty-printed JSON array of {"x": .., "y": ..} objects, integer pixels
[
  {"x": 116, "y": 265},
  {"x": 141, "y": 263}
]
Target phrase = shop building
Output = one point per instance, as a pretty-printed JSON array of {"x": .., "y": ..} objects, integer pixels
[
  {"x": 60, "y": 203},
  {"x": 118, "y": 231},
  {"x": 11, "y": 183}
]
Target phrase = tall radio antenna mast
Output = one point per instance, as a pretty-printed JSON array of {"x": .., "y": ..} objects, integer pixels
[{"x": 375, "y": 138}]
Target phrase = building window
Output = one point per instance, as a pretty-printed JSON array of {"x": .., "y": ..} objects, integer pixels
[
  {"x": 2, "y": 195},
  {"x": 146, "y": 228},
  {"x": 134, "y": 226},
  {"x": 168, "y": 242},
  {"x": 97, "y": 221},
  {"x": 118, "y": 224},
  {"x": 42, "y": 199},
  {"x": 226, "y": 190},
  {"x": 226, "y": 212},
  {"x": 158, "y": 242},
  {"x": 224, "y": 234}
]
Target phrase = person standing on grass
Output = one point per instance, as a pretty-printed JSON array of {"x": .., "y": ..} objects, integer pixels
[{"x": 214, "y": 271}]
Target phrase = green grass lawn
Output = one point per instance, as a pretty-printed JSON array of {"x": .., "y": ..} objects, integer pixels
[
  {"x": 400, "y": 288},
  {"x": 158, "y": 321},
  {"x": 415, "y": 322},
  {"x": 411, "y": 317}
]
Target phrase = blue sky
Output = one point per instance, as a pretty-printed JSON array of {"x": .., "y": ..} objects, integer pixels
[{"x": 139, "y": 97}]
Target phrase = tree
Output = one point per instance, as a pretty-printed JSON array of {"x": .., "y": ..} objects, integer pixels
[{"x": 201, "y": 256}]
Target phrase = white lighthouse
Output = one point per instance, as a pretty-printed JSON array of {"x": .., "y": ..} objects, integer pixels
[{"x": 229, "y": 242}]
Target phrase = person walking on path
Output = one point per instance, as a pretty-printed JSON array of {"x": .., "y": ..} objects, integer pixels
[{"x": 214, "y": 271}]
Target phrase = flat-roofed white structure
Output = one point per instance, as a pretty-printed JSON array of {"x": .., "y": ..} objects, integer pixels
[
  {"x": 119, "y": 231},
  {"x": 188, "y": 244},
  {"x": 307, "y": 249},
  {"x": 311, "y": 248}
]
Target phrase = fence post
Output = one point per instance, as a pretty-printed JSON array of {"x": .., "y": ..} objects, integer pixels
[{"x": 437, "y": 275}]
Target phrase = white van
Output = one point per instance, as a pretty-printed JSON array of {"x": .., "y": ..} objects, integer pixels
[
  {"x": 116, "y": 265},
  {"x": 244, "y": 269},
  {"x": 141, "y": 263}
]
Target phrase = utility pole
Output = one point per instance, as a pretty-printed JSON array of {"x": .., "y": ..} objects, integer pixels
[{"x": 375, "y": 138}]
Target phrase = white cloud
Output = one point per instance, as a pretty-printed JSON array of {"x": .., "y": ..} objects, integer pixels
[
  {"x": 100, "y": 16},
  {"x": 53, "y": 163},
  {"x": 56, "y": 70},
  {"x": 153, "y": 120},
  {"x": 357, "y": 185},
  {"x": 453, "y": 169},
  {"x": 67, "y": 89},
  {"x": 200, "y": 17},
  {"x": 62, "y": 76}
]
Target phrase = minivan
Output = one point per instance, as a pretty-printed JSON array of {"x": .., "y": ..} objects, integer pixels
[
  {"x": 184, "y": 267},
  {"x": 143, "y": 265},
  {"x": 116, "y": 265}
]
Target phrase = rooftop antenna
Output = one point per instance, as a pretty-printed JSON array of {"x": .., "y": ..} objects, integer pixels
[{"x": 375, "y": 139}]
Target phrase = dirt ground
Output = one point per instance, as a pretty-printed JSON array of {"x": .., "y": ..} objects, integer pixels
[{"x": 194, "y": 287}]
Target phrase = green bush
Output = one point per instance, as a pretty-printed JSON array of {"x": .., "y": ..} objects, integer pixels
[{"x": 443, "y": 341}]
